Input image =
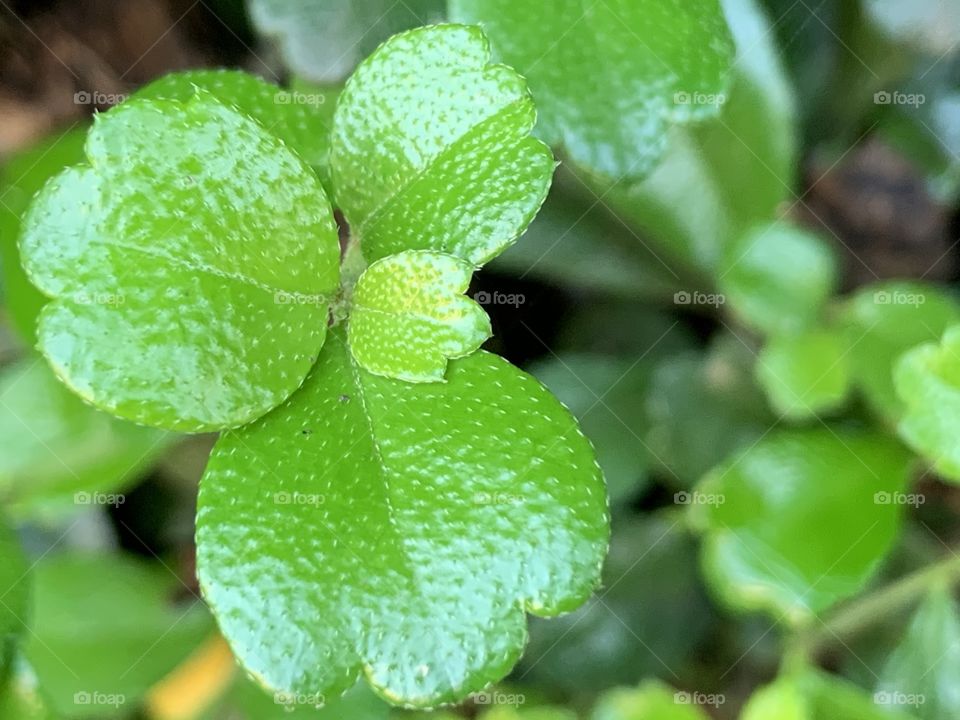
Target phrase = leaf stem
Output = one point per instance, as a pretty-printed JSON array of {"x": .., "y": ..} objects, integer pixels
[{"x": 861, "y": 614}]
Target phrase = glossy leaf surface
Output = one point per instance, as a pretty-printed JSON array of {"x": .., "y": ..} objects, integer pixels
[
  {"x": 195, "y": 241},
  {"x": 399, "y": 529},
  {"x": 300, "y": 116},
  {"x": 757, "y": 510},
  {"x": 409, "y": 316},
  {"x": 928, "y": 384},
  {"x": 655, "y": 62},
  {"x": 431, "y": 148}
]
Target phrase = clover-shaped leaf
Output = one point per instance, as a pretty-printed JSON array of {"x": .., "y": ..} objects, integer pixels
[
  {"x": 928, "y": 384},
  {"x": 190, "y": 265},
  {"x": 399, "y": 529},
  {"x": 652, "y": 62},
  {"x": 431, "y": 148},
  {"x": 409, "y": 316}
]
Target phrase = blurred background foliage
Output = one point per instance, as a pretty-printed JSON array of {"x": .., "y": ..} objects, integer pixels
[{"x": 752, "y": 335}]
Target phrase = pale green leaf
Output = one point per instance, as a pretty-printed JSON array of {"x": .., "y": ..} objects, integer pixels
[
  {"x": 777, "y": 277},
  {"x": 57, "y": 453},
  {"x": 806, "y": 374},
  {"x": 922, "y": 672},
  {"x": 801, "y": 519},
  {"x": 105, "y": 629},
  {"x": 651, "y": 63},
  {"x": 323, "y": 40},
  {"x": 882, "y": 322},
  {"x": 190, "y": 264},
  {"x": 431, "y": 148},
  {"x": 928, "y": 384},
  {"x": 409, "y": 316},
  {"x": 399, "y": 529}
]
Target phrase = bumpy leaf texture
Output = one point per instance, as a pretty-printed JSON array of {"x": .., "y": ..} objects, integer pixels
[
  {"x": 409, "y": 316},
  {"x": 399, "y": 529},
  {"x": 190, "y": 263}
]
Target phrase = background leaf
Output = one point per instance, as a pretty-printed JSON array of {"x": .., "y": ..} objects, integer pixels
[
  {"x": 755, "y": 511},
  {"x": 658, "y": 62}
]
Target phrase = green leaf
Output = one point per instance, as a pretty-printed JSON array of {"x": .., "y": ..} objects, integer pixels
[
  {"x": 56, "y": 452},
  {"x": 409, "y": 316},
  {"x": 301, "y": 116},
  {"x": 105, "y": 629},
  {"x": 651, "y": 701},
  {"x": 777, "y": 277},
  {"x": 22, "y": 176},
  {"x": 781, "y": 699},
  {"x": 922, "y": 671},
  {"x": 805, "y": 375},
  {"x": 323, "y": 40},
  {"x": 650, "y": 585},
  {"x": 928, "y": 384},
  {"x": 13, "y": 597},
  {"x": 760, "y": 550},
  {"x": 431, "y": 148},
  {"x": 204, "y": 251},
  {"x": 247, "y": 701},
  {"x": 653, "y": 62},
  {"x": 607, "y": 396},
  {"x": 523, "y": 713},
  {"x": 721, "y": 177},
  {"x": 399, "y": 528},
  {"x": 702, "y": 408},
  {"x": 882, "y": 322}
]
